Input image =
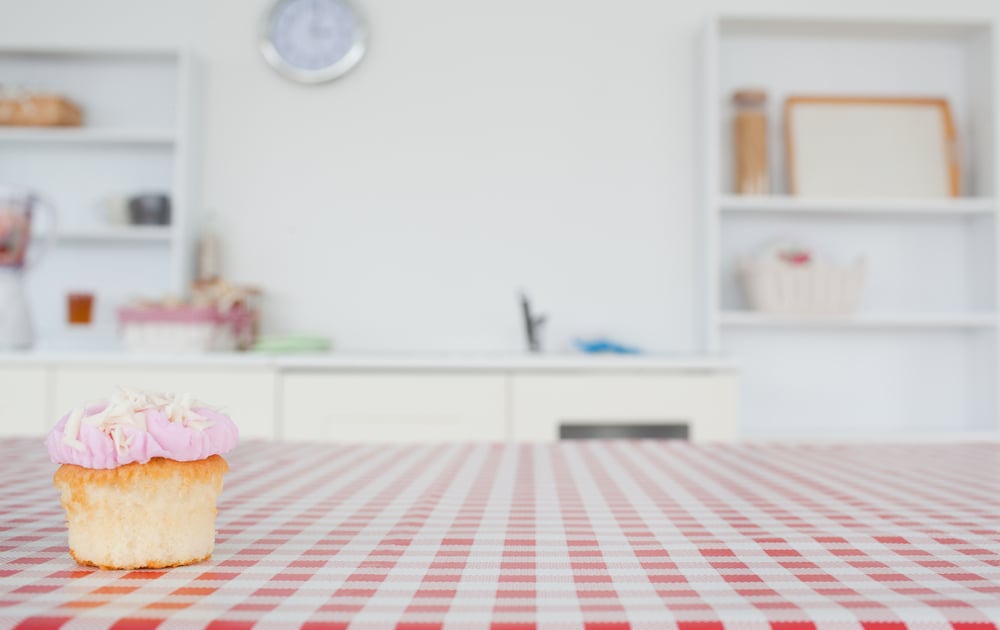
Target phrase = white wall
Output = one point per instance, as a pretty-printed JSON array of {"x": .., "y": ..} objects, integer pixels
[{"x": 480, "y": 147}]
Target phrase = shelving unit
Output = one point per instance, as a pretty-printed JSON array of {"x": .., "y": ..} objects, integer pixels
[
  {"x": 920, "y": 356},
  {"x": 136, "y": 139}
]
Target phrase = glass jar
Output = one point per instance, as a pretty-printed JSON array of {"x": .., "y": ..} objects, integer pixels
[{"x": 750, "y": 142}]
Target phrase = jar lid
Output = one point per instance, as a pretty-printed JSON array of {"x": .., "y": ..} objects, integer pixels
[{"x": 750, "y": 97}]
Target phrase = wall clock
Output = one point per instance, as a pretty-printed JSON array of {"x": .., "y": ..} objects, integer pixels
[{"x": 313, "y": 41}]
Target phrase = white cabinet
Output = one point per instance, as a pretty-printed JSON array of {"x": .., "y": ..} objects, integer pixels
[
  {"x": 246, "y": 394},
  {"x": 393, "y": 407},
  {"x": 391, "y": 402},
  {"x": 24, "y": 401},
  {"x": 705, "y": 403}
]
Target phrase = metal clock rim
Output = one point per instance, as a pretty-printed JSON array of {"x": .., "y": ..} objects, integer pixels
[{"x": 329, "y": 73}]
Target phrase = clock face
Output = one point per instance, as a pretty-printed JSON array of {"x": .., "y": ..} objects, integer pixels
[{"x": 313, "y": 40}]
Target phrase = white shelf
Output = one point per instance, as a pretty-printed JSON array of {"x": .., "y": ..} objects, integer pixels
[
  {"x": 747, "y": 319},
  {"x": 90, "y": 51},
  {"x": 143, "y": 233},
  {"x": 115, "y": 234},
  {"x": 85, "y": 135},
  {"x": 884, "y": 27},
  {"x": 786, "y": 205}
]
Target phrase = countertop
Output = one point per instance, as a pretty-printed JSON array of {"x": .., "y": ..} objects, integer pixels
[{"x": 339, "y": 361}]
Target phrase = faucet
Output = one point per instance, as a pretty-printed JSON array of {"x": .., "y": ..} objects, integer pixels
[{"x": 532, "y": 325}]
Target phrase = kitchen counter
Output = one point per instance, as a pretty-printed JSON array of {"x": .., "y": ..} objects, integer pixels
[{"x": 352, "y": 362}]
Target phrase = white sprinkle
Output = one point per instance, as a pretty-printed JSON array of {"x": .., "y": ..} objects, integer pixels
[{"x": 72, "y": 429}]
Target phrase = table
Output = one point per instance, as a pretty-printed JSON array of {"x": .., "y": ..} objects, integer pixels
[{"x": 589, "y": 534}]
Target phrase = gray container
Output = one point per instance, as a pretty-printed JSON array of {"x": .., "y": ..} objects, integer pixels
[{"x": 152, "y": 209}]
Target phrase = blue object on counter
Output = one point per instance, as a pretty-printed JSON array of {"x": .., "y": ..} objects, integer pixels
[{"x": 604, "y": 346}]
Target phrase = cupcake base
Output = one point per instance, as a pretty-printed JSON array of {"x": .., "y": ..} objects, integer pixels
[{"x": 142, "y": 516}]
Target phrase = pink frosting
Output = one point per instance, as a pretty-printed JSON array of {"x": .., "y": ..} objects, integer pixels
[{"x": 162, "y": 438}]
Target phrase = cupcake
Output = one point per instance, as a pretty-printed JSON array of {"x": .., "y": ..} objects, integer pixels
[{"x": 140, "y": 477}]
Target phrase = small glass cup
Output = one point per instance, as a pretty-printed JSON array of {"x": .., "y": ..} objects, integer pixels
[{"x": 79, "y": 308}]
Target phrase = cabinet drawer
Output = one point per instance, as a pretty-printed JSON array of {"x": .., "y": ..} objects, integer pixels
[
  {"x": 246, "y": 394},
  {"x": 703, "y": 403},
  {"x": 393, "y": 407},
  {"x": 24, "y": 402}
]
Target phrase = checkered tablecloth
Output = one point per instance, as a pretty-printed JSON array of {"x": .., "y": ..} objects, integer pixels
[{"x": 588, "y": 534}]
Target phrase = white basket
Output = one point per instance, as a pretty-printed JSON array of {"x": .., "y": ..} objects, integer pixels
[
  {"x": 813, "y": 289},
  {"x": 170, "y": 337},
  {"x": 184, "y": 328}
]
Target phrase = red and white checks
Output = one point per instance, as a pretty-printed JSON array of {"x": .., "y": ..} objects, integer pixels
[{"x": 590, "y": 534}]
